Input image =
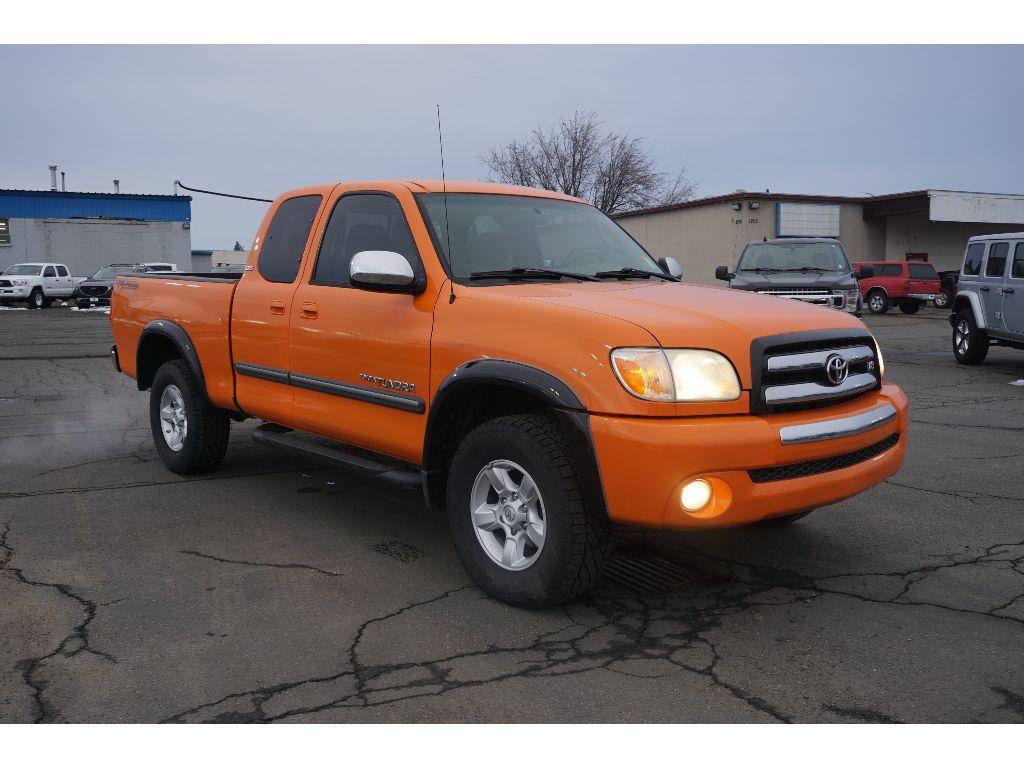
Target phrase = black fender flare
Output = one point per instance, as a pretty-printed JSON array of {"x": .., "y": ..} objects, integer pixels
[
  {"x": 180, "y": 338},
  {"x": 550, "y": 390}
]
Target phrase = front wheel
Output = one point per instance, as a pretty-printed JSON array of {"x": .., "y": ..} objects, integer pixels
[
  {"x": 190, "y": 434},
  {"x": 36, "y": 299},
  {"x": 518, "y": 513},
  {"x": 909, "y": 307},
  {"x": 970, "y": 343},
  {"x": 878, "y": 302}
]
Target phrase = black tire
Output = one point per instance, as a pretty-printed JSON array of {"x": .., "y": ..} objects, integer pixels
[
  {"x": 576, "y": 540},
  {"x": 208, "y": 427},
  {"x": 943, "y": 298},
  {"x": 775, "y": 522},
  {"x": 909, "y": 306},
  {"x": 970, "y": 343},
  {"x": 36, "y": 299},
  {"x": 877, "y": 302}
]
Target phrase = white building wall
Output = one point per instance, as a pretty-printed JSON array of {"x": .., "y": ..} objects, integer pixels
[{"x": 85, "y": 245}]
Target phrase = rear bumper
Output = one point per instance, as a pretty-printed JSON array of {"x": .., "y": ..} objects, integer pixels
[
  {"x": 921, "y": 296},
  {"x": 841, "y": 450}
]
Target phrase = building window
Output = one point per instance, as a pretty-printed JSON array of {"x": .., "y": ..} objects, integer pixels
[{"x": 5, "y": 231}]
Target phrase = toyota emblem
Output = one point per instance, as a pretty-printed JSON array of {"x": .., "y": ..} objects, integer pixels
[{"x": 836, "y": 369}]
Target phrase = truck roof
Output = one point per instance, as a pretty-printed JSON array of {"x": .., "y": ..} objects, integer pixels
[
  {"x": 794, "y": 240},
  {"x": 435, "y": 185},
  {"x": 1001, "y": 236}
]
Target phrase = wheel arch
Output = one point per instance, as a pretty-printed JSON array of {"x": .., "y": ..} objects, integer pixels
[
  {"x": 968, "y": 300},
  {"x": 481, "y": 390},
  {"x": 162, "y": 340}
]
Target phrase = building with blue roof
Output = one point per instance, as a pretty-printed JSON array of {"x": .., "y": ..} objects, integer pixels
[{"x": 88, "y": 230}]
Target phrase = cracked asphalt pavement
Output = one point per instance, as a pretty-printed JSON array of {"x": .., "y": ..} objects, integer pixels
[{"x": 277, "y": 590}]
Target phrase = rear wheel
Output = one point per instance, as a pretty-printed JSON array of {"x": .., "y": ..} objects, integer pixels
[
  {"x": 943, "y": 298},
  {"x": 909, "y": 306},
  {"x": 190, "y": 434},
  {"x": 518, "y": 514},
  {"x": 970, "y": 343},
  {"x": 878, "y": 302}
]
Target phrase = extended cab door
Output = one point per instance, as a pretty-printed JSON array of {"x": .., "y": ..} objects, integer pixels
[
  {"x": 261, "y": 310},
  {"x": 65, "y": 285},
  {"x": 51, "y": 283},
  {"x": 360, "y": 360}
]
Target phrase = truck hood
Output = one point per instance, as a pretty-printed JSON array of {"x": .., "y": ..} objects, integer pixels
[
  {"x": 680, "y": 315},
  {"x": 104, "y": 283},
  {"x": 752, "y": 281}
]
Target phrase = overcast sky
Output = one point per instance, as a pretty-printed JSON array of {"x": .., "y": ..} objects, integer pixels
[{"x": 261, "y": 120}]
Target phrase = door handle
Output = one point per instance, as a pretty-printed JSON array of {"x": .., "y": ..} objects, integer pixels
[
  {"x": 309, "y": 310},
  {"x": 986, "y": 288},
  {"x": 277, "y": 307},
  {"x": 1008, "y": 290}
]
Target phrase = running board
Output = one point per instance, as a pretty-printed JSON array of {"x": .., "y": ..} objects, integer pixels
[{"x": 338, "y": 454}]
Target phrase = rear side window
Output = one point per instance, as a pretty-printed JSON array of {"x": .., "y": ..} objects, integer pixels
[
  {"x": 996, "y": 264},
  {"x": 49, "y": 272},
  {"x": 890, "y": 270},
  {"x": 972, "y": 260},
  {"x": 1017, "y": 270},
  {"x": 362, "y": 222},
  {"x": 286, "y": 238},
  {"x": 62, "y": 271},
  {"x": 922, "y": 272}
]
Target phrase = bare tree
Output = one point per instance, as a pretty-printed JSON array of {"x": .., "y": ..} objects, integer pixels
[{"x": 578, "y": 157}]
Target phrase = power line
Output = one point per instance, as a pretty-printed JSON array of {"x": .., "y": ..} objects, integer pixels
[{"x": 221, "y": 194}]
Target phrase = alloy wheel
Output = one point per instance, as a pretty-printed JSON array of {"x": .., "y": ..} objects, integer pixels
[
  {"x": 173, "y": 422},
  {"x": 508, "y": 515},
  {"x": 962, "y": 337}
]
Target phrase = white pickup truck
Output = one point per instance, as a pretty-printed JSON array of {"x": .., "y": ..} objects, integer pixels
[{"x": 38, "y": 284}]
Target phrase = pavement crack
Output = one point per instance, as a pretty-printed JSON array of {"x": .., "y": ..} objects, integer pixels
[{"x": 260, "y": 564}]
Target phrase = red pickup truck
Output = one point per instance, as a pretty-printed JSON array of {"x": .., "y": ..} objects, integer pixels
[{"x": 903, "y": 284}]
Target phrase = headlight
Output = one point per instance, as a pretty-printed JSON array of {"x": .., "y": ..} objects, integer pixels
[
  {"x": 881, "y": 361},
  {"x": 19, "y": 282},
  {"x": 850, "y": 299},
  {"x": 676, "y": 375}
]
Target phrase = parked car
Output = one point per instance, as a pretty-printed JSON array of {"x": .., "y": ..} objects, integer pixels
[
  {"x": 813, "y": 270},
  {"x": 160, "y": 266},
  {"x": 948, "y": 281},
  {"x": 518, "y": 358},
  {"x": 903, "y": 284},
  {"x": 989, "y": 305},
  {"x": 37, "y": 284},
  {"x": 223, "y": 268},
  {"x": 96, "y": 290}
]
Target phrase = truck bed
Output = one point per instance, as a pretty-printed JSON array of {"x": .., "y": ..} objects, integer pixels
[{"x": 200, "y": 303}]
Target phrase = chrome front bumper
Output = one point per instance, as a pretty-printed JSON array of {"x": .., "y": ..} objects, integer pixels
[{"x": 837, "y": 428}]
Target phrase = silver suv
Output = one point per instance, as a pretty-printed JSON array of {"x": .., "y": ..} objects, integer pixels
[{"x": 989, "y": 304}]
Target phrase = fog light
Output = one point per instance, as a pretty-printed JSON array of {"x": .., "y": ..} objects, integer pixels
[{"x": 695, "y": 495}]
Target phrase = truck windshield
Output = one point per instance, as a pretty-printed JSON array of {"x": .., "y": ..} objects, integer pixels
[
  {"x": 793, "y": 257},
  {"x": 539, "y": 237},
  {"x": 24, "y": 269}
]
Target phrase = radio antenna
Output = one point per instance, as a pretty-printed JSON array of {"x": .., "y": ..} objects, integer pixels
[{"x": 444, "y": 193}]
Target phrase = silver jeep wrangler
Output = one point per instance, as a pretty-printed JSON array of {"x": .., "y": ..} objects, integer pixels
[{"x": 989, "y": 304}]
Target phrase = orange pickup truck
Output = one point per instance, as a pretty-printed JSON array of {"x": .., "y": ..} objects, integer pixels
[{"x": 518, "y": 357}]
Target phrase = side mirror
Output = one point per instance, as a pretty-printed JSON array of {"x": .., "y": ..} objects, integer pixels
[
  {"x": 864, "y": 271},
  {"x": 383, "y": 271},
  {"x": 723, "y": 273},
  {"x": 671, "y": 266}
]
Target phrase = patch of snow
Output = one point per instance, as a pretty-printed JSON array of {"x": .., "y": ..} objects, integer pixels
[
  {"x": 1017, "y": 383},
  {"x": 104, "y": 310},
  {"x": 5, "y": 308}
]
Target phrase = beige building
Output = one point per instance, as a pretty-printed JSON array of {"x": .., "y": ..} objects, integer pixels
[{"x": 932, "y": 225}]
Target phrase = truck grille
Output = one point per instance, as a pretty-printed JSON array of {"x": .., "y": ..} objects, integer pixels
[
  {"x": 5, "y": 283},
  {"x": 791, "y": 371},
  {"x": 810, "y": 295},
  {"x": 818, "y": 466},
  {"x": 93, "y": 290}
]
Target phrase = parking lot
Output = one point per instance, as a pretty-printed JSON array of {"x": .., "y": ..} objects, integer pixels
[{"x": 279, "y": 590}]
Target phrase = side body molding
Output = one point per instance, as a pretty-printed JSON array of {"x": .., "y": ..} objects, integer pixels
[{"x": 180, "y": 338}]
